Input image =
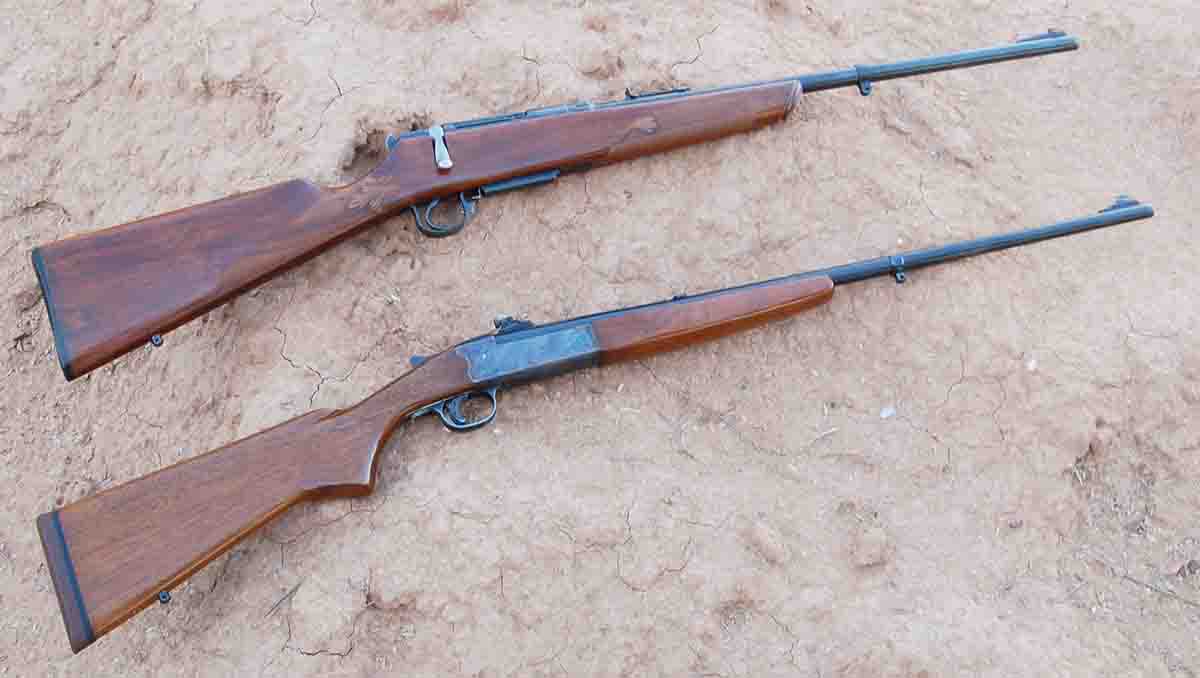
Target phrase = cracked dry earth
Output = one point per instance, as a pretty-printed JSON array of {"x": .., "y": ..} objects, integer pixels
[{"x": 991, "y": 470}]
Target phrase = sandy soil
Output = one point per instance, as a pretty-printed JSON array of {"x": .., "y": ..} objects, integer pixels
[{"x": 744, "y": 508}]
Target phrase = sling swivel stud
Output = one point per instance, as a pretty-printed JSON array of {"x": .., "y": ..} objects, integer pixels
[{"x": 897, "y": 264}]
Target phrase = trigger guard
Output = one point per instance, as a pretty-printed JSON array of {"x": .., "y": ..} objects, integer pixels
[
  {"x": 433, "y": 229},
  {"x": 453, "y": 410},
  {"x": 452, "y": 416}
]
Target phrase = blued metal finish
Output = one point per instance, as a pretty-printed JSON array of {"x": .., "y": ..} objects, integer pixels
[
  {"x": 862, "y": 77},
  {"x": 1040, "y": 45},
  {"x": 629, "y": 94},
  {"x": 1052, "y": 33},
  {"x": 1123, "y": 210},
  {"x": 559, "y": 110},
  {"x": 506, "y": 324},
  {"x": 451, "y": 414},
  {"x": 423, "y": 214},
  {"x": 1121, "y": 202},
  {"x": 518, "y": 182},
  {"x": 527, "y": 354},
  {"x": 520, "y": 351},
  {"x": 1054, "y": 41},
  {"x": 488, "y": 120}
]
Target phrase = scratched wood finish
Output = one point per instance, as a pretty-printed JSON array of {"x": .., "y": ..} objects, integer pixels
[
  {"x": 110, "y": 291},
  {"x": 646, "y": 331},
  {"x": 127, "y": 544}
]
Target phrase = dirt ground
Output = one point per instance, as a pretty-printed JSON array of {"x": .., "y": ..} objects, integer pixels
[{"x": 990, "y": 470}]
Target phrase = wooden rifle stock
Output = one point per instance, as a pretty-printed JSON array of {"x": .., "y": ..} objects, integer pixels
[
  {"x": 112, "y": 554},
  {"x": 110, "y": 291}
]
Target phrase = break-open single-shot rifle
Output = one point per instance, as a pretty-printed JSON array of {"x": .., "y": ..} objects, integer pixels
[
  {"x": 110, "y": 291},
  {"x": 113, "y": 553}
]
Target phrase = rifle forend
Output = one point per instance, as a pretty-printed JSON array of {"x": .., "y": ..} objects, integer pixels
[
  {"x": 112, "y": 554},
  {"x": 110, "y": 291}
]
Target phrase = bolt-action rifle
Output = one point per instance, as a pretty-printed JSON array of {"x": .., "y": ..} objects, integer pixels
[
  {"x": 112, "y": 290},
  {"x": 112, "y": 554}
]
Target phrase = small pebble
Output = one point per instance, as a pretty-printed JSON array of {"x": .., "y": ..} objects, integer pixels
[{"x": 887, "y": 412}]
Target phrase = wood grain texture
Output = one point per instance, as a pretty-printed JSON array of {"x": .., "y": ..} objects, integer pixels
[
  {"x": 121, "y": 547},
  {"x": 111, "y": 554},
  {"x": 650, "y": 330},
  {"x": 110, "y": 291}
]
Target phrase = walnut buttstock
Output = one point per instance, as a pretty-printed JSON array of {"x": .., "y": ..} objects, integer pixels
[
  {"x": 110, "y": 291},
  {"x": 112, "y": 554}
]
